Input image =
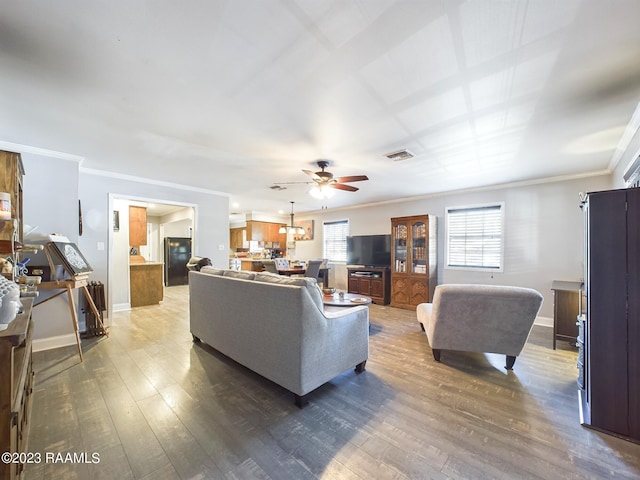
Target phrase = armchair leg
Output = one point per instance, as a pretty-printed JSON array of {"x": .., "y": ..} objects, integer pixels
[
  {"x": 360, "y": 367},
  {"x": 511, "y": 359},
  {"x": 301, "y": 401},
  {"x": 421, "y": 326},
  {"x": 436, "y": 354}
]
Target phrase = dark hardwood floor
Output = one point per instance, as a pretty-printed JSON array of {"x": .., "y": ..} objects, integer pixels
[{"x": 153, "y": 405}]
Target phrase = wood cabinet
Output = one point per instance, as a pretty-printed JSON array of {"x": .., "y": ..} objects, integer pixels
[
  {"x": 16, "y": 388},
  {"x": 11, "y": 173},
  {"x": 413, "y": 260},
  {"x": 252, "y": 265},
  {"x": 137, "y": 226},
  {"x": 372, "y": 282},
  {"x": 237, "y": 238},
  {"x": 146, "y": 286},
  {"x": 255, "y": 231},
  {"x": 265, "y": 232},
  {"x": 566, "y": 308},
  {"x": 609, "y": 337}
]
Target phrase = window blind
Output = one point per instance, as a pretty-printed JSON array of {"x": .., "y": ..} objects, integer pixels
[
  {"x": 335, "y": 240},
  {"x": 474, "y": 237}
]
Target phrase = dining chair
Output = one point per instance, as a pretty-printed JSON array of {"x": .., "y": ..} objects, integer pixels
[
  {"x": 281, "y": 263},
  {"x": 269, "y": 266},
  {"x": 313, "y": 269}
]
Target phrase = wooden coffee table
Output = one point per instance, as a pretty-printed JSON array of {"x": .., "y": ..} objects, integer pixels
[{"x": 349, "y": 300}]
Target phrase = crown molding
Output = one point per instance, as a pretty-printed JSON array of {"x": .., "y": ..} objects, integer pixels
[
  {"x": 497, "y": 186},
  {"x": 149, "y": 181},
  {"x": 632, "y": 129},
  {"x": 19, "y": 148}
]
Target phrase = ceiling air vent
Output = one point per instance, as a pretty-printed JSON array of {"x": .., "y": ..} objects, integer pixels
[{"x": 400, "y": 155}]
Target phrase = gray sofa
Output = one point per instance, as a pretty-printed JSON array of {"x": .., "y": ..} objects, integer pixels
[
  {"x": 480, "y": 318},
  {"x": 277, "y": 327}
]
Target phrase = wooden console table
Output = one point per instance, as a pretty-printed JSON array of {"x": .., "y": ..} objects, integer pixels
[{"x": 566, "y": 308}]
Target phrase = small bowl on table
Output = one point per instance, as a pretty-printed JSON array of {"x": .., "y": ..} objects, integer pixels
[{"x": 328, "y": 292}]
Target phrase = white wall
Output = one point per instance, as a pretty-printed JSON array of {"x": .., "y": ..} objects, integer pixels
[
  {"x": 543, "y": 232},
  {"x": 211, "y": 222},
  {"x": 52, "y": 188},
  {"x": 51, "y": 203},
  {"x": 181, "y": 228}
]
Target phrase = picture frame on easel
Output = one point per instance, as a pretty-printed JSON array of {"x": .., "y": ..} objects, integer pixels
[{"x": 71, "y": 258}]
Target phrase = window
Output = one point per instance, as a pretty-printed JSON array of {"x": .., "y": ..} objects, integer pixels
[
  {"x": 335, "y": 240},
  {"x": 475, "y": 237}
]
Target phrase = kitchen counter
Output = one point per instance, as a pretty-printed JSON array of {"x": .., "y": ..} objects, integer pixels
[
  {"x": 145, "y": 283},
  {"x": 253, "y": 264}
]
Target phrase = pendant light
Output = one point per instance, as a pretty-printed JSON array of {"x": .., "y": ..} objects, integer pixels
[{"x": 291, "y": 228}]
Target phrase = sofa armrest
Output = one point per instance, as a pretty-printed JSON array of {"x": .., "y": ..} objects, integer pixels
[
  {"x": 344, "y": 311},
  {"x": 334, "y": 345}
]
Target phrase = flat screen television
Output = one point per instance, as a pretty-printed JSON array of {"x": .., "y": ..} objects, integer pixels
[{"x": 369, "y": 250}]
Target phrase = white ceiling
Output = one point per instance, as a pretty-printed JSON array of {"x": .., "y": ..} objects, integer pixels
[{"x": 234, "y": 96}]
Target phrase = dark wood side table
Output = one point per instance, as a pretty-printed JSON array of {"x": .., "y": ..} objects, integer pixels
[{"x": 567, "y": 299}]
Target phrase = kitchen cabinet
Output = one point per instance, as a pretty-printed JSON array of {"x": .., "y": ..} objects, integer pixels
[
  {"x": 137, "y": 226},
  {"x": 276, "y": 237},
  {"x": 265, "y": 232},
  {"x": 237, "y": 238},
  {"x": 255, "y": 231},
  {"x": 251, "y": 265}
]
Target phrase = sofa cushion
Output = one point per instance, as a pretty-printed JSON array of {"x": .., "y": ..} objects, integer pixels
[
  {"x": 212, "y": 270},
  {"x": 309, "y": 283},
  {"x": 239, "y": 274}
]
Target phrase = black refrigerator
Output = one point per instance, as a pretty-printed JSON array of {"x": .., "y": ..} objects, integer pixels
[{"x": 177, "y": 252}]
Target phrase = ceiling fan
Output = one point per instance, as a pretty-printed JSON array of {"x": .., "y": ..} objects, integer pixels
[{"x": 325, "y": 181}]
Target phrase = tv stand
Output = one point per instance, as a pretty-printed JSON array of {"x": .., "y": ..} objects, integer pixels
[{"x": 372, "y": 282}]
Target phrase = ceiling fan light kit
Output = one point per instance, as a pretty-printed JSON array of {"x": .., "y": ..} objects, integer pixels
[{"x": 321, "y": 192}]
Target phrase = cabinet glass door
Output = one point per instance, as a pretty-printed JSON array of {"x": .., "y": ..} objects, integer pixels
[
  {"x": 400, "y": 235},
  {"x": 418, "y": 247}
]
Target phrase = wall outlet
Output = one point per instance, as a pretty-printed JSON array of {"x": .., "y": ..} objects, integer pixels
[{"x": 221, "y": 247}]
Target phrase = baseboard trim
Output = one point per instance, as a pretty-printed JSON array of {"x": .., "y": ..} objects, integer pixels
[
  {"x": 121, "y": 307},
  {"x": 544, "y": 321},
  {"x": 42, "y": 344}
]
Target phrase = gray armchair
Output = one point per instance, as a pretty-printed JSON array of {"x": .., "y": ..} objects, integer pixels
[{"x": 480, "y": 318}]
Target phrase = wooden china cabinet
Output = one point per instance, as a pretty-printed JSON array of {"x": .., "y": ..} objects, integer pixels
[{"x": 413, "y": 260}]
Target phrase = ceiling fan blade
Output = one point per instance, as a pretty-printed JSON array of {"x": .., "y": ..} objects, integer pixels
[
  {"x": 313, "y": 175},
  {"x": 292, "y": 183},
  {"x": 352, "y": 178},
  {"x": 340, "y": 186}
]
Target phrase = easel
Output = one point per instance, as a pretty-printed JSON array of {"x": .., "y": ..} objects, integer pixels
[{"x": 77, "y": 281}]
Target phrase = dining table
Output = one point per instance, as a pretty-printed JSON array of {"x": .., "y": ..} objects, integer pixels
[{"x": 323, "y": 274}]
